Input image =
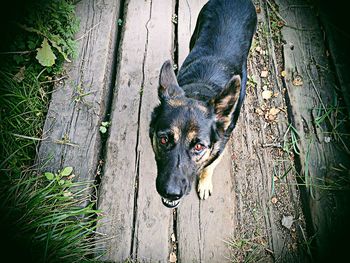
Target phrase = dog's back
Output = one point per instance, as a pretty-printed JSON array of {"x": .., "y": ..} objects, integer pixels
[{"x": 219, "y": 47}]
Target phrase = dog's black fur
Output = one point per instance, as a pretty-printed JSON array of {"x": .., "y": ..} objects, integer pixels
[{"x": 199, "y": 109}]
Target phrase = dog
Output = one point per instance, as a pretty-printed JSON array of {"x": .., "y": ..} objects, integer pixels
[{"x": 199, "y": 108}]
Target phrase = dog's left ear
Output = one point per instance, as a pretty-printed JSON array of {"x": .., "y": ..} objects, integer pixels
[
  {"x": 168, "y": 86},
  {"x": 226, "y": 101}
]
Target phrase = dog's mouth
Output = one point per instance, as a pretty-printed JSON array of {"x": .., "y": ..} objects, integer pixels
[{"x": 170, "y": 203}]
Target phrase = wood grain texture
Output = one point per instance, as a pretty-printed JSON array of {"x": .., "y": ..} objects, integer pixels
[
  {"x": 259, "y": 160},
  {"x": 75, "y": 119},
  {"x": 187, "y": 18},
  {"x": 204, "y": 225},
  {"x": 154, "y": 220},
  {"x": 135, "y": 218},
  {"x": 305, "y": 55}
]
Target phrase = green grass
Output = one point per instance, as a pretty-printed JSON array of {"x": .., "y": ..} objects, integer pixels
[
  {"x": 250, "y": 250},
  {"x": 43, "y": 218},
  {"x": 48, "y": 217},
  {"x": 25, "y": 84},
  {"x": 291, "y": 140},
  {"x": 331, "y": 121},
  {"x": 23, "y": 106},
  {"x": 291, "y": 145}
]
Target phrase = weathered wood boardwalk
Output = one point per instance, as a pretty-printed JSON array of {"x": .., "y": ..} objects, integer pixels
[{"x": 122, "y": 45}]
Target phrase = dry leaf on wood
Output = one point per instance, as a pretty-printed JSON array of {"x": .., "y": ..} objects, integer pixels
[
  {"x": 20, "y": 75},
  {"x": 259, "y": 111},
  {"x": 274, "y": 200},
  {"x": 173, "y": 238},
  {"x": 267, "y": 94},
  {"x": 271, "y": 115},
  {"x": 264, "y": 74},
  {"x": 172, "y": 257},
  {"x": 298, "y": 81},
  {"x": 287, "y": 221},
  {"x": 274, "y": 111}
]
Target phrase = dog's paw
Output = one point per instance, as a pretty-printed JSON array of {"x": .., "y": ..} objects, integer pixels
[{"x": 205, "y": 188}]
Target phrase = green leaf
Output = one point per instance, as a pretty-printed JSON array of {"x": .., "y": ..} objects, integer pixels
[
  {"x": 30, "y": 29},
  {"x": 67, "y": 171},
  {"x": 68, "y": 183},
  {"x": 45, "y": 55},
  {"x": 103, "y": 129},
  {"x": 31, "y": 44},
  {"x": 18, "y": 59},
  {"x": 105, "y": 123},
  {"x": 49, "y": 176},
  {"x": 61, "y": 182},
  {"x": 59, "y": 49}
]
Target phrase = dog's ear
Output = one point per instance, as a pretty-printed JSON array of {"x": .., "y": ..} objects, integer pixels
[
  {"x": 168, "y": 86},
  {"x": 226, "y": 101}
]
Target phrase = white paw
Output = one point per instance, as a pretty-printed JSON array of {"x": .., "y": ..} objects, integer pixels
[{"x": 205, "y": 188}]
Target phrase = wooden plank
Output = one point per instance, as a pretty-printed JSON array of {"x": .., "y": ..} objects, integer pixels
[
  {"x": 262, "y": 198},
  {"x": 187, "y": 18},
  {"x": 154, "y": 220},
  {"x": 257, "y": 218},
  {"x": 322, "y": 150},
  {"x": 135, "y": 219},
  {"x": 203, "y": 226},
  {"x": 71, "y": 131}
]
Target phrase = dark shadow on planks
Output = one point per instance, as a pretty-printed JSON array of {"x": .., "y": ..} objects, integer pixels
[{"x": 315, "y": 50}]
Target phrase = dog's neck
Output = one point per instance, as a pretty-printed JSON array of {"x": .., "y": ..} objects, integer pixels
[
  {"x": 205, "y": 77},
  {"x": 201, "y": 90}
]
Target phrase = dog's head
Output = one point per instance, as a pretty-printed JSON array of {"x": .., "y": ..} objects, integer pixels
[{"x": 187, "y": 134}]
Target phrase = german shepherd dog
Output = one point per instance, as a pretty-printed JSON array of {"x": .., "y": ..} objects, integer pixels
[{"x": 199, "y": 108}]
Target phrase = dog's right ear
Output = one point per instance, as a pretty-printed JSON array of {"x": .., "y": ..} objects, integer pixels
[
  {"x": 226, "y": 101},
  {"x": 168, "y": 86}
]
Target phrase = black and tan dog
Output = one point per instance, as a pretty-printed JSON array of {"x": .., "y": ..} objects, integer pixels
[{"x": 199, "y": 108}]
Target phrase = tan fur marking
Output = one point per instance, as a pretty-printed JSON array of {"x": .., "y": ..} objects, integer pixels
[
  {"x": 176, "y": 103},
  {"x": 205, "y": 184},
  {"x": 227, "y": 119},
  {"x": 226, "y": 100},
  {"x": 191, "y": 135},
  {"x": 202, "y": 108},
  {"x": 177, "y": 133},
  {"x": 222, "y": 105},
  {"x": 205, "y": 156}
]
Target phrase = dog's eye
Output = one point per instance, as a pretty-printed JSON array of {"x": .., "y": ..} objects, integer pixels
[
  {"x": 163, "y": 140},
  {"x": 199, "y": 147}
]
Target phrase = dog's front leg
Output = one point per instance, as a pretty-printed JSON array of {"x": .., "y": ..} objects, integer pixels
[{"x": 205, "y": 184}]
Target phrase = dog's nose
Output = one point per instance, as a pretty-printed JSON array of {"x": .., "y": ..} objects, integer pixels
[
  {"x": 173, "y": 189},
  {"x": 172, "y": 193}
]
